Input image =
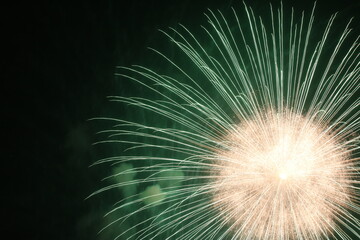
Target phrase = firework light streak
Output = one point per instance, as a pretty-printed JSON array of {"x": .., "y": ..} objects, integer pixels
[{"x": 263, "y": 142}]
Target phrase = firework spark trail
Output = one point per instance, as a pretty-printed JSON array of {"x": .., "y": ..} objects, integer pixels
[{"x": 271, "y": 156}]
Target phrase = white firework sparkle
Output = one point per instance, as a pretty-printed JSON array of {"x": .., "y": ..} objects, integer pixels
[{"x": 263, "y": 142}]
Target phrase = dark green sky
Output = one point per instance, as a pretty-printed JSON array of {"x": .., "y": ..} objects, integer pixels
[{"x": 58, "y": 73}]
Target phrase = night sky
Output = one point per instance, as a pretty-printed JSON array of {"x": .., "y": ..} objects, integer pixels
[{"x": 59, "y": 66}]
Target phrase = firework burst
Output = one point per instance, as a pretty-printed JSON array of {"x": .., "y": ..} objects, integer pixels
[{"x": 262, "y": 142}]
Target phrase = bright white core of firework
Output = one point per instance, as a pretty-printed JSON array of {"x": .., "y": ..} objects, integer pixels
[{"x": 281, "y": 175}]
